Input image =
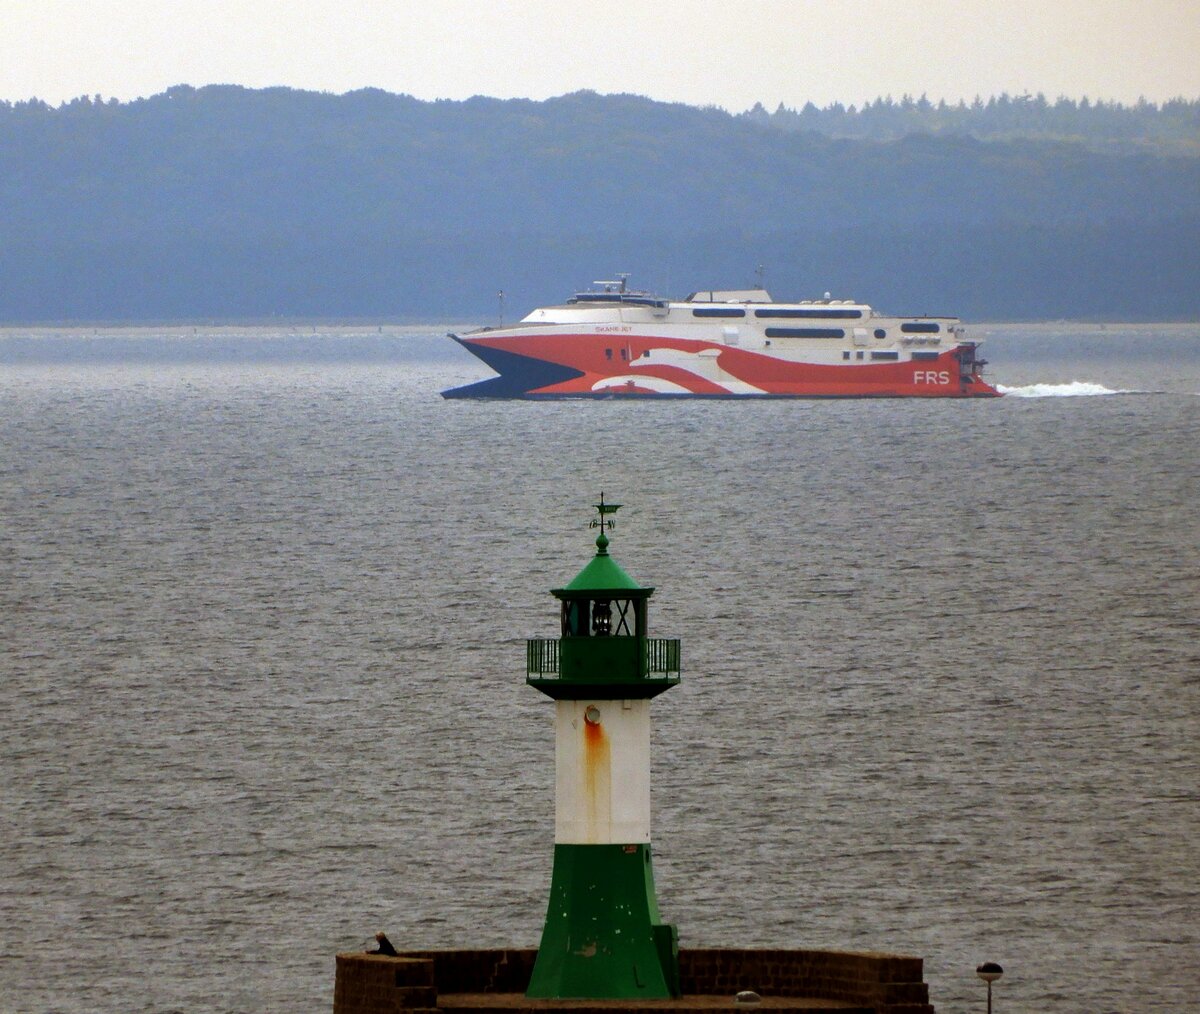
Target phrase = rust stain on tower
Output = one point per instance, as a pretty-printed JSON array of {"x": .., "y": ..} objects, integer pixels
[{"x": 597, "y": 775}]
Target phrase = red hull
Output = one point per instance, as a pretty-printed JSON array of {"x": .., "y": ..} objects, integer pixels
[{"x": 573, "y": 365}]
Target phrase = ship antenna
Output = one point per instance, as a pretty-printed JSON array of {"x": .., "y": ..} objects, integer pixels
[
  {"x": 758, "y": 273},
  {"x": 500, "y": 296}
]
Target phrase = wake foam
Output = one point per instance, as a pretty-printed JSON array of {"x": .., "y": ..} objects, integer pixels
[{"x": 1075, "y": 389}]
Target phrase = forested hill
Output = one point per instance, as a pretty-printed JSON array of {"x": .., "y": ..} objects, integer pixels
[
  {"x": 1173, "y": 126},
  {"x": 225, "y": 202}
]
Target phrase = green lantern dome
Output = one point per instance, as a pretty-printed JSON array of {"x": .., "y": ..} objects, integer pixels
[{"x": 602, "y": 573}]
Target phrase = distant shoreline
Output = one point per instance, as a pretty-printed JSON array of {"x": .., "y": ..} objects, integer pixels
[
  {"x": 362, "y": 327},
  {"x": 350, "y": 324}
]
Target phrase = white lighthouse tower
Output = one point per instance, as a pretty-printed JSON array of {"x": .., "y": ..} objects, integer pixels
[{"x": 603, "y": 936}]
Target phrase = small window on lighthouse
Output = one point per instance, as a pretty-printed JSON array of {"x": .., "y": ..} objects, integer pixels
[{"x": 575, "y": 619}]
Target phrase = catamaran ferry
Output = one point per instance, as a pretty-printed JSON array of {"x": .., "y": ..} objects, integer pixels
[{"x": 612, "y": 341}]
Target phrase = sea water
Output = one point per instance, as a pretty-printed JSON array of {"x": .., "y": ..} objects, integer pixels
[{"x": 263, "y": 602}]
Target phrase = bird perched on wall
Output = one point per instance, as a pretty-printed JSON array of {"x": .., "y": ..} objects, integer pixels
[{"x": 385, "y": 945}]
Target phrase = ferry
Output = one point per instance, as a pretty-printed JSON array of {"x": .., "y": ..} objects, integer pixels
[{"x": 612, "y": 341}]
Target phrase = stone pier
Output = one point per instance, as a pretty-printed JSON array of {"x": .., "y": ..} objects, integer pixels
[{"x": 481, "y": 981}]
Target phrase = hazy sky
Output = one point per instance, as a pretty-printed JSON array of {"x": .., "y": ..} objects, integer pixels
[{"x": 730, "y": 53}]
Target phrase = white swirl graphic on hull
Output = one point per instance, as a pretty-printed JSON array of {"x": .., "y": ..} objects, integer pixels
[
  {"x": 656, "y": 384},
  {"x": 703, "y": 365}
]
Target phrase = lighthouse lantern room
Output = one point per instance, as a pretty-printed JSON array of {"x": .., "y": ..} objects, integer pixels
[{"x": 603, "y": 937}]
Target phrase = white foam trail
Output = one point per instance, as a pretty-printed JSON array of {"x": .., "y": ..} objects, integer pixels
[{"x": 1075, "y": 389}]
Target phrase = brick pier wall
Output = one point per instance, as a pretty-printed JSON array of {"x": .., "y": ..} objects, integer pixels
[
  {"x": 890, "y": 983},
  {"x": 376, "y": 984},
  {"x": 886, "y": 983},
  {"x": 506, "y": 970}
]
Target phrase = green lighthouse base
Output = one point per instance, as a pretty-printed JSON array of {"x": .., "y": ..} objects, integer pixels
[{"x": 603, "y": 936}]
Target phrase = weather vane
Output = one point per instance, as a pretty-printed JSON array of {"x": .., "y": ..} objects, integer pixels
[{"x": 603, "y": 521}]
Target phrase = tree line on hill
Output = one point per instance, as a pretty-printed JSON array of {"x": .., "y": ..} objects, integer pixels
[
  {"x": 1172, "y": 126},
  {"x": 225, "y": 202}
]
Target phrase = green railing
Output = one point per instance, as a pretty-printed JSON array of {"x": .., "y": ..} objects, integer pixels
[
  {"x": 661, "y": 658},
  {"x": 541, "y": 657}
]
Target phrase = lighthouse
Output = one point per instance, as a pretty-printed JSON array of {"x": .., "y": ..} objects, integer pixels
[{"x": 603, "y": 937}]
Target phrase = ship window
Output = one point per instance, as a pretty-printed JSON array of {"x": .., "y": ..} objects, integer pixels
[
  {"x": 624, "y": 353},
  {"x": 608, "y": 353},
  {"x": 885, "y": 355},
  {"x": 925, "y": 355},
  {"x": 805, "y": 332},
  {"x": 719, "y": 311},
  {"x": 860, "y": 355},
  {"x": 880, "y": 333},
  {"x": 845, "y": 353},
  {"x": 821, "y": 314},
  {"x": 920, "y": 327}
]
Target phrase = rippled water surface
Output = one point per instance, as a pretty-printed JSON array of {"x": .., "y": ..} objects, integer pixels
[{"x": 263, "y": 602}]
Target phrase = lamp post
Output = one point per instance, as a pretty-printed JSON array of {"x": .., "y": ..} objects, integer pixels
[{"x": 989, "y": 972}]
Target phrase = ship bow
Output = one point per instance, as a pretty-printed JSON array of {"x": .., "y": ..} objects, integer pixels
[{"x": 518, "y": 376}]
